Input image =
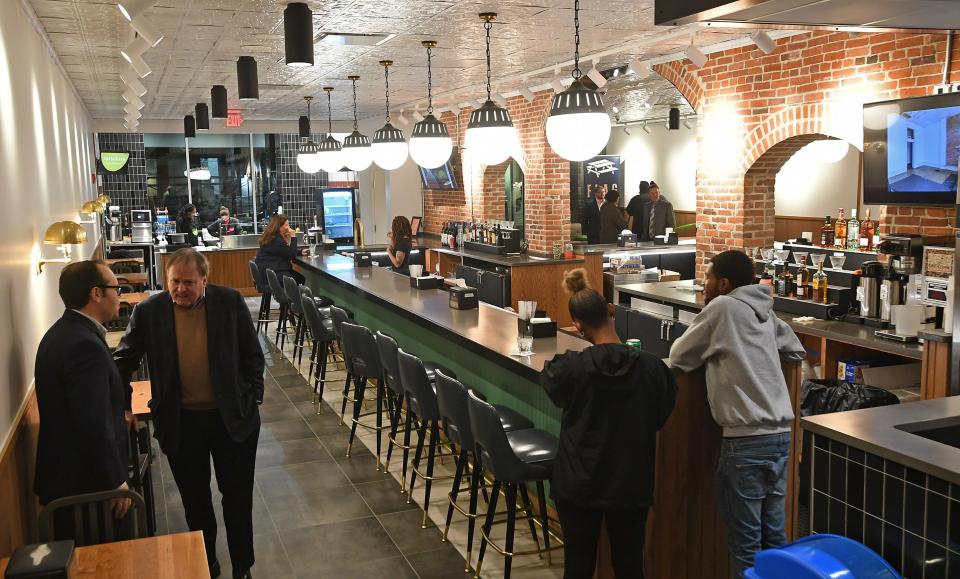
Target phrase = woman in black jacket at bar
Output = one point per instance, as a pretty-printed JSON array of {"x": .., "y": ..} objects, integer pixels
[
  {"x": 614, "y": 400},
  {"x": 400, "y": 245},
  {"x": 278, "y": 245}
]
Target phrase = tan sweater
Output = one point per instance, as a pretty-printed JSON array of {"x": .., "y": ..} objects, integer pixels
[{"x": 196, "y": 391}]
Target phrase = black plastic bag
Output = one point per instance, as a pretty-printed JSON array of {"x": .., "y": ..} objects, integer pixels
[{"x": 825, "y": 396}]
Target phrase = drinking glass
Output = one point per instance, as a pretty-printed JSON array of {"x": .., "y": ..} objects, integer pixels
[
  {"x": 767, "y": 254},
  {"x": 817, "y": 259},
  {"x": 837, "y": 259},
  {"x": 524, "y": 344},
  {"x": 782, "y": 255},
  {"x": 797, "y": 255}
]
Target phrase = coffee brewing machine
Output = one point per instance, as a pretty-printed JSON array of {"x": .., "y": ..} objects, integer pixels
[{"x": 141, "y": 226}]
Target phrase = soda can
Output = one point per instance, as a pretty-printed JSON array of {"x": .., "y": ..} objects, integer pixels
[{"x": 634, "y": 343}]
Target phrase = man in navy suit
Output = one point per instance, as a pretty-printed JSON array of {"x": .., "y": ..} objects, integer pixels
[{"x": 84, "y": 405}]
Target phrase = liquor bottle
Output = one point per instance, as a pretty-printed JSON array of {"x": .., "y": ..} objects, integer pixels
[
  {"x": 853, "y": 231},
  {"x": 803, "y": 280},
  {"x": 840, "y": 232},
  {"x": 767, "y": 280},
  {"x": 820, "y": 285},
  {"x": 785, "y": 287},
  {"x": 868, "y": 229},
  {"x": 443, "y": 234},
  {"x": 826, "y": 233}
]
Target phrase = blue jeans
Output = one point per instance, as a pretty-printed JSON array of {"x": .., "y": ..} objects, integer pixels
[{"x": 751, "y": 488}]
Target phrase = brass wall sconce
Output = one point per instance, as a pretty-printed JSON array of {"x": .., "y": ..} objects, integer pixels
[{"x": 64, "y": 234}]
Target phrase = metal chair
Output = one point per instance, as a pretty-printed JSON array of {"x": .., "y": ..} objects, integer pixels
[
  {"x": 323, "y": 336},
  {"x": 92, "y": 516},
  {"x": 360, "y": 348},
  {"x": 512, "y": 459},
  {"x": 280, "y": 295},
  {"x": 263, "y": 317}
]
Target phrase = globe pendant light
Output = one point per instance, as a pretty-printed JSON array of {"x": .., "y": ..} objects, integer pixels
[
  {"x": 578, "y": 127},
  {"x": 357, "y": 154},
  {"x": 490, "y": 132},
  {"x": 307, "y": 158},
  {"x": 389, "y": 148},
  {"x": 430, "y": 144},
  {"x": 329, "y": 153}
]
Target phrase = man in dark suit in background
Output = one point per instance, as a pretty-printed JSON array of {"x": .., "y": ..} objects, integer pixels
[
  {"x": 635, "y": 208},
  {"x": 84, "y": 407},
  {"x": 206, "y": 378},
  {"x": 591, "y": 213},
  {"x": 657, "y": 215}
]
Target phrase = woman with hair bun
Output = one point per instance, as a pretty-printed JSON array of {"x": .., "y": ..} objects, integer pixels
[{"x": 614, "y": 399}]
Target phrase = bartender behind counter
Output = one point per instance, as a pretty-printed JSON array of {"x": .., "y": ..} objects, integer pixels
[
  {"x": 399, "y": 247},
  {"x": 225, "y": 225},
  {"x": 278, "y": 245},
  {"x": 187, "y": 224}
]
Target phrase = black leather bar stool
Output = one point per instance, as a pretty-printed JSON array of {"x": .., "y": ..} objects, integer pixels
[
  {"x": 452, "y": 402},
  {"x": 339, "y": 317},
  {"x": 360, "y": 348},
  {"x": 323, "y": 337},
  {"x": 512, "y": 459},
  {"x": 263, "y": 316},
  {"x": 280, "y": 295},
  {"x": 292, "y": 289}
]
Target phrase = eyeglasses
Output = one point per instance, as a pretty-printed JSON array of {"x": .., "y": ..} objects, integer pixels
[{"x": 116, "y": 287}]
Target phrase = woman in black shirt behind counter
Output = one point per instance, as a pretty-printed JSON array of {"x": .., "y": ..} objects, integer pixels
[
  {"x": 278, "y": 245},
  {"x": 614, "y": 400},
  {"x": 399, "y": 247}
]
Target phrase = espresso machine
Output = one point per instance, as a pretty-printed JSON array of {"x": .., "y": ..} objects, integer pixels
[
  {"x": 905, "y": 253},
  {"x": 141, "y": 226},
  {"x": 113, "y": 223}
]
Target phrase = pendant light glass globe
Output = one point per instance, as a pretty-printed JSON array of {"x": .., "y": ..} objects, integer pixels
[
  {"x": 389, "y": 148},
  {"x": 578, "y": 127},
  {"x": 357, "y": 153},
  {"x": 490, "y": 134},
  {"x": 330, "y": 155},
  {"x": 307, "y": 158},
  {"x": 430, "y": 143}
]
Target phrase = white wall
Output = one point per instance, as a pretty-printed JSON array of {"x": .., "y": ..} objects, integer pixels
[
  {"x": 808, "y": 187},
  {"x": 897, "y": 156},
  {"x": 667, "y": 157},
  {"x": 931, "y": 145},
  {"x": 46, "y": 161}
]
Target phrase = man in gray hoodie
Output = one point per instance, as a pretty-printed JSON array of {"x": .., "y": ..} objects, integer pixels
[{"x": 742, "y": 342}]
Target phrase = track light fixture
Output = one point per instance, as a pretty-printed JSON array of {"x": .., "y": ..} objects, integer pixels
[
  {"x": 645, "y": 128},
  {"x": 133, "y": 8},
  {"x": 763, "y": 41},
  {"x": 596, "y": 76},
  {"x": 696, "y": 56},
  {"x": 132, "y": 80},
  {"x": 640, "y": 68},
  {"x": 526, "y": 93},
  {"x": 651, "y": 101},
  {"x": 146, "y": 29}
]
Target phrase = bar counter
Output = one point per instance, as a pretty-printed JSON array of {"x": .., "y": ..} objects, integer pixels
[
  {"x": 685, "y": 538},
  {"x": 228, "y": 267}
]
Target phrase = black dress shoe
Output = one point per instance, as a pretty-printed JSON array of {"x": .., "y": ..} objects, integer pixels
[
  {"x": 214, "y": 569},
  {"x": 242, "y": 574}
]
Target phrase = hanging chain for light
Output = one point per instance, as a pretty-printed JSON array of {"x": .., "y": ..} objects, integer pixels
[
  {"x": 329, "y": 89},
  {"x": 308, "y": 99},
  {"x": 488, "y": 18},
  {"x": 354, "y": 79},
  {"x": 576, "y": 40},
  {"x": 429, "y": 45},
  {"x": 386, "y": 80}
]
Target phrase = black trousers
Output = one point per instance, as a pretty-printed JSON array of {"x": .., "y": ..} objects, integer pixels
[
  {"x": 202, "y": 435},
  {"x": 581, "y": 531}
]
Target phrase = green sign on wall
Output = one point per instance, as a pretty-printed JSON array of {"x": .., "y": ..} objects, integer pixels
[{"x": 113, "y": 161}]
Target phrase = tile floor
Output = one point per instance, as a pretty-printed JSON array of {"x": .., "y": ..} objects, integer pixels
[{"x": 318, "y": 513}]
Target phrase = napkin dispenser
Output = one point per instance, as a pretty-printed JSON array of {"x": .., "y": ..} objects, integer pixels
[
  {"x": 426, "y": 282},
  {"x": 668, "y": 239},
  {"x": 464, "y": 298},
  {"x": 538, "y": 327},
  {"x": 627, "y": 240},
  {"x": 362, "y": 259},
  {"x": 47, "y": 560}
]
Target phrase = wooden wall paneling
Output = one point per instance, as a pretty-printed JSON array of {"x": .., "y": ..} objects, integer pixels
[
  {"x": 686, "y": 218},
  {"x": 227, "y": 268},
  {"x": 543, "y": 283},
  {"x": 935, "y": 375},
  {"x": 788, "y": 227},
  {"x": 19, "y": 507},
  {"x": 593, "y": 263},
  {"x": 449, "y": 263}
]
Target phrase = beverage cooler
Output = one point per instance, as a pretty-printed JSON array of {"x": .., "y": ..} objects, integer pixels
[{"x": 338, "y": 208}]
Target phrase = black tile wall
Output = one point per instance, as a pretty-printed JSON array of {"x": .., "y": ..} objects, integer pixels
[
  {"x": 910, "y": 518},
  {"x": 298, "y": 189},
  {"x": 129, "y": 189}
]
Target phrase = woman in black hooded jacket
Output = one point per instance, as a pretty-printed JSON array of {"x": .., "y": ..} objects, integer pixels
[{"x": 614, "y": 400}]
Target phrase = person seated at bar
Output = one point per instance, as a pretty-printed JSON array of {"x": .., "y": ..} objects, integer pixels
[
  {"x": 612, "y": 221},
  {"x": 225, "y": 225},
  {"x": 399, "y": 246},
  {"x": 635, "y": 208},
  {"x": 278, "y": 245},
  {"x": 614, "y": 400},
  {"x": 741, "y": 342},
  {"x": 187, "y": 223},
  {"x": 657, "y": 215}
]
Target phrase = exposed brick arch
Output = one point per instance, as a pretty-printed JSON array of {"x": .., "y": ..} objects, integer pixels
[
  {"x": 685, "y": 79},
  {"x": 784, "y": 125}
]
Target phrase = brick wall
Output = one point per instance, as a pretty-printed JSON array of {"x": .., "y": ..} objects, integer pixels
[
  {"x": 546, "y": 186},
  {"x": 756, "y": 110}
]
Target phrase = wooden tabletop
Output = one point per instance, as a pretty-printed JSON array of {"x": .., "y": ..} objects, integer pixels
[
  {"x": 117, "y": 260},
  {"x": 162, "y": 557},
  {"x": 140, "y": 397},
  {"x": 136, "y": 297},
  {"x": 136, "y": 278}
]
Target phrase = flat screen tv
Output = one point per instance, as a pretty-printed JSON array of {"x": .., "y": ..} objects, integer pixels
[
  {"x": 440, "y": 178},
  {"x": 911, "y": 150}
]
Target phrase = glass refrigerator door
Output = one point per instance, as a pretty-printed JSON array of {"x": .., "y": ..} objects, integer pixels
[{"x": 338, "y": 213}]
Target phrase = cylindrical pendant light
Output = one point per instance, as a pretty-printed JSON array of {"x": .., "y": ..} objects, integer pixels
[
  {"x": 203, "y": 117},
  {"x": 307, "y": 158},
  {"x": 490, "y": 132},
  {"x": 330, "y": 151},
  {"x": 578, "y": 127},
  {"x": 357, "y": 154},
  {"x": 389, "y": 147},
  {"x": 189, "y": 126},
  {"x": 248, "y": 87},
  {"x": 430, "y": 143},
  {"x": 674, "y": 119},
  {"x": 218, "y": 100},
  {"x": 298, "y": 34}
]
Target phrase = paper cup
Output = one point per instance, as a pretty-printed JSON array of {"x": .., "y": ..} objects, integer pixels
[{"x": 416, "y": 270}]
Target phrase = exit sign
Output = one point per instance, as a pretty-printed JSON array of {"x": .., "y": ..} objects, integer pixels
[{"x": 234, "y": 118}]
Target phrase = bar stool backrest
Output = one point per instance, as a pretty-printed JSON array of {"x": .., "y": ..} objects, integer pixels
[
  {"x": 292, "y": 289},
  {"x": 360, "y": 347},
  {"x": 93, "y": 516},
  {"x": 258, "y": 278},
  {"x": 414, "y": 378},
  {"x": 339, "y": 317},
  {"x": 319, "y": 332},
  {"x": 390, "y": 361},
  {"x": 452, "y": 402},
  {"x": 490, "y": 441},
  {"x": 277, "y": 288}
]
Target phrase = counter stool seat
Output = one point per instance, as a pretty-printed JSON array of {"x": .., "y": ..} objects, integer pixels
[
  {"x": 536, "y": 449},
  {"x": 432, "y": 367},
  {"x": 512, "y": 420}
]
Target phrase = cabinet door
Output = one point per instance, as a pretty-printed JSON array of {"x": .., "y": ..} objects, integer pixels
[
  {"x": 649, "y": 329},
  {"x": 492, "y": 288},
  {"x": 620, "y": 315}
]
